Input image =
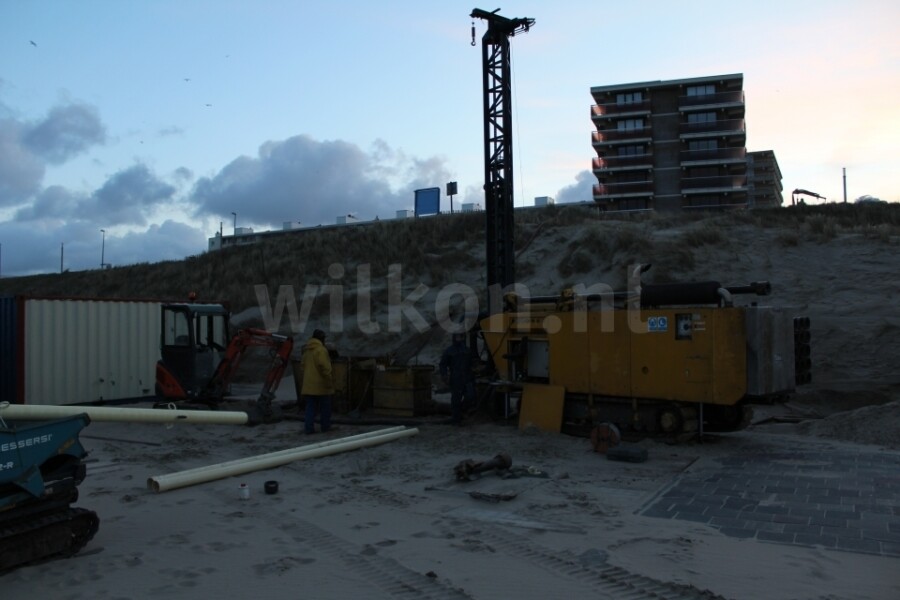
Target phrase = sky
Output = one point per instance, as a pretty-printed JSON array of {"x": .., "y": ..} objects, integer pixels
[{"x": 161, "y": 122}]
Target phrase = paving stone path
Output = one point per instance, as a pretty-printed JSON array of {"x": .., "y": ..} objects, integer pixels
[{"x": 836, "y": 499}]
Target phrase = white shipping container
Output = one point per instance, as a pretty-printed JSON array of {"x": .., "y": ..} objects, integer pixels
[{"x": 78, "y": 351}]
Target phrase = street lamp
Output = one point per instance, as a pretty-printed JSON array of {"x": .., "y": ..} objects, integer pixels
[
  {"x": 234, "y": 230},
  {"x": 103, "y": 249}
]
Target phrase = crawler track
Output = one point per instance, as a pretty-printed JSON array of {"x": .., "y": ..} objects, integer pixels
[{"x": 60, "y": 533}]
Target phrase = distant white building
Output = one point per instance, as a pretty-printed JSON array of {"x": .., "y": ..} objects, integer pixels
[
  {"x": 544, "y": 201},
  {"x": 405, "y": 214},
  {"x": 243, "y": 230},
  {"x": 345, "y": 219},
  {"x": 468, "y": 207},
  {"x": 289, "y": 225}
]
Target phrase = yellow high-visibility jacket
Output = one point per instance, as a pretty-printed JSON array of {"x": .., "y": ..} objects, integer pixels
[{"x": 316, "y": 367}]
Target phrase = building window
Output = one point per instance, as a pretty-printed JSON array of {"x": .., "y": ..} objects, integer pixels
[
  {"x": 636, "y": 150},
  {"x": 629, "y": 98},
  {"x": 701, "y": 90},
  {"x": 630, "y": 124},
  {"x": 703, "y": 145},
  {"x": 703, "y": 117}
]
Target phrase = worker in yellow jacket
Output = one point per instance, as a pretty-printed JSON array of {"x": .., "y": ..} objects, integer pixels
[{"x": 318, "y": 385}]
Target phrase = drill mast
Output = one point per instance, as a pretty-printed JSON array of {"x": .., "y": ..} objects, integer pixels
[{"x": 498, "y": 154}]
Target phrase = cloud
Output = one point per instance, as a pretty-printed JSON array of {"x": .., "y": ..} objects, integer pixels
[
  {"x": 582, "y": 191},
  {"x": 54, "y": 204},
  {"x": 173, "y": 130},
  {"x": 21, "y": 172},
  {"x": 182, "y": 174},
  {"x": 313, "y": 181},
  {"x": 37, "y": 249},
  {"x": 26, "y": 148},
  {"x": 169, "y": 240},
  {"x": 66, "y": 132},
  {"x": 127, "y": 197}
]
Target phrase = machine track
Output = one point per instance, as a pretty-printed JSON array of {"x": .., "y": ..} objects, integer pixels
[
  {"x": 607, "y": 581},
  {"x": 56, "y": 534},
  {"x": 386, "y": 574}
]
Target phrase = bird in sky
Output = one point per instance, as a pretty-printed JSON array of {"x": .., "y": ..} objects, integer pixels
[
  {"x": 209, "y": 104},
  {"x": 187, "y": 78},
  {"x": 32, "y": 43}
]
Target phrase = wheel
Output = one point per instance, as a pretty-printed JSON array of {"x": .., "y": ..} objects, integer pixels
[{"x": 669, "y": 419}]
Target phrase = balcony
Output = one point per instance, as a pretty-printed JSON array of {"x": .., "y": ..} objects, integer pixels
[
  {"x": 719, "y": 155},
  {"x": 731, "y": 98},
  {"x": 610, "y": 163},
  {"x": 725, "y": 183},
  {"x": 631, "y": 188},
  {"x": 616, "y": 109},
  {"x": 723, "y": 127},
  {"x": 610, "y": 136}
]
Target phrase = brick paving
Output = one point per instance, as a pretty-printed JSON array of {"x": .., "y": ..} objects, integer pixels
[{"x": 835, "y": 499}]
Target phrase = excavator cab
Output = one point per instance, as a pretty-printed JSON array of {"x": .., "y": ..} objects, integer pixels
[
  {"x": 193, "y": 341},
  {"x": 198, "y": 357}
]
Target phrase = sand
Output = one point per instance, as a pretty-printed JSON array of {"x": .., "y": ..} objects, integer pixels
[{"x": 392, "y": 521}]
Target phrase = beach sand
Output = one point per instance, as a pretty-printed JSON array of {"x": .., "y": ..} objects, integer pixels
[{"x": 392, "y": 521}]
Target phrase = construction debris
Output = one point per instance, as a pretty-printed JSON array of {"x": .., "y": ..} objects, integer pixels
[{"x": 465, "y": 469}]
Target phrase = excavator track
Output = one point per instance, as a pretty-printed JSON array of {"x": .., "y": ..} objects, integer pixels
[{"x": 56, "y": 534}]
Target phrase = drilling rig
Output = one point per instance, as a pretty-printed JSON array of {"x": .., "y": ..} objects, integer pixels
[{"x": 653, "y": 359}]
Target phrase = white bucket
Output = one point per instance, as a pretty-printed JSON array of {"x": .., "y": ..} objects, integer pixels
[{"x": 244, "y": 491}]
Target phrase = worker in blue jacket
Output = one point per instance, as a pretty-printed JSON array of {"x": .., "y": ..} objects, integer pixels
[{"x": 456, "y": 372}]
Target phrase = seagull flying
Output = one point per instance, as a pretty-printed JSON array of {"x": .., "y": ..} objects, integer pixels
[{"x": 32, "y": 43}]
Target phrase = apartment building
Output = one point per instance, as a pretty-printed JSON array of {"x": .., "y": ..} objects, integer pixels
[
  {"x": 763, "y": 179},
  {"x": 670, "y": 145}
]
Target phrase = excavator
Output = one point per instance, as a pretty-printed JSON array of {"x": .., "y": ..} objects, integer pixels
[
  {"x": 801, "y": 192},
  {"x": 198, "y": 360}
]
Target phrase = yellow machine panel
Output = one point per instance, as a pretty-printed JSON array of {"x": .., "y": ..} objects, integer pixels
[
  {"x": 542, "y": 407},
  {"x": 685, "y": 354},
  {"x": 693, "y": 355},
  {"x": 590, "y": 353}
]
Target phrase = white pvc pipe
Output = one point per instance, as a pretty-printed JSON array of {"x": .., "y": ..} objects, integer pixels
[
  {"x": 289, "y": 451},
  {"x": 162, "y": 483},
  {"x": 122, "y": 414}
]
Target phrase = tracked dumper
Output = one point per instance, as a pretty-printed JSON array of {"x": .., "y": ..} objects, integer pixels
[{"x": 41, "y": 466}]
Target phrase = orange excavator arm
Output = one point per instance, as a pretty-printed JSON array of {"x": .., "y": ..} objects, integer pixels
[{"x": 281, "y": 345}]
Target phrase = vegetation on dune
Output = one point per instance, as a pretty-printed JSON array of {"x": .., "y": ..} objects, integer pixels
[{"x": 569, "y": 240}]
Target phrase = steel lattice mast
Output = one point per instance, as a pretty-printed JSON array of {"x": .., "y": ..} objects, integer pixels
[{"x": 498, "y": 150}]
